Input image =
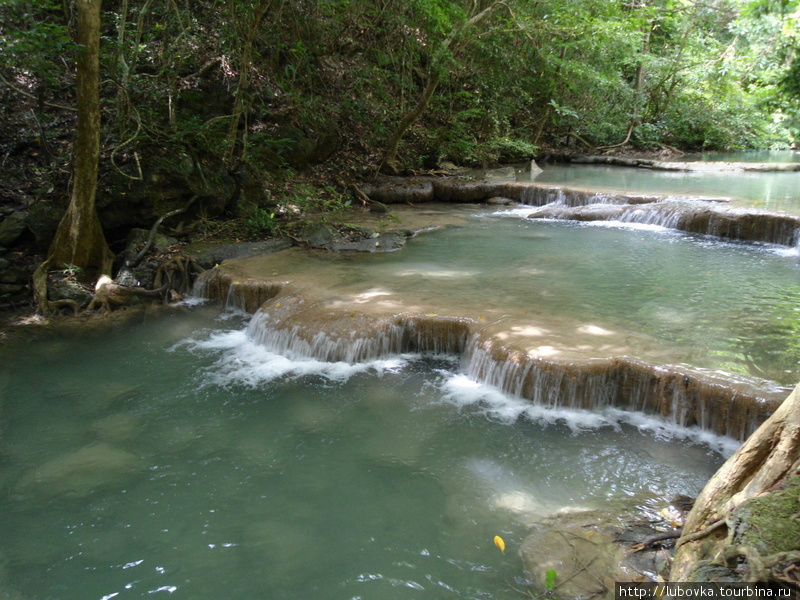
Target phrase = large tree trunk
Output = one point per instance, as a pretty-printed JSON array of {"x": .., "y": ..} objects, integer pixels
[
  {"x": 79, "y": 239},
  {"x": 744, "y": 523}
]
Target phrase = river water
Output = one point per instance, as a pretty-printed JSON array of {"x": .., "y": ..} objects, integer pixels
[
  {"x": 763, "y": 191},
  {"x": 181, "y": 458},
  {"x": 568, "y": 290}
]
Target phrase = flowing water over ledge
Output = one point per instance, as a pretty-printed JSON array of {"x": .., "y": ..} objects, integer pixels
[
  {"x": 181, "y": 458},
  {"x": 766, "y": 191},
  {"x": 716, "y": 214},
  {"x": 696, "y": 331},
  {"x": 326, "y": 447}
]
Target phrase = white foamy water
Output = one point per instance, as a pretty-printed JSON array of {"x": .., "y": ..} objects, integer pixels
[
  {"x": 630, "y": 225},
  {"x": 466, "y": 393},
  {"x": 520, "y": 212},
  {"x": 241, "y": 361}
]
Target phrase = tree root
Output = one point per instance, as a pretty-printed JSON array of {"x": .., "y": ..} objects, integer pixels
[
  {"x": 700, "y": 534},
  {"x": 759, "y": 567},
  {"x": 652, "y": 541},
  {"x": 138, "y": 258},
  {"x": 107, "y": 293},
  {"x": 178, "y": 274}
]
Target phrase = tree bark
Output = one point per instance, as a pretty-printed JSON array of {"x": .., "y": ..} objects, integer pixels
[
  {"x": 79, "y": 239},
  {"x": 768, "y": 462}
]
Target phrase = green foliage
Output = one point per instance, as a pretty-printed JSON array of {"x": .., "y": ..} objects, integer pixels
[
  {"x": 262, "y": 223},
  {"x": 695, "y": 74},
  {"x": 32, "y": 35},
  {"x": 550, "y": 577}
]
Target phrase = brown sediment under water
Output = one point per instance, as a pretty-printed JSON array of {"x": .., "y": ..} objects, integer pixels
[{"x": 696, "y": 331}]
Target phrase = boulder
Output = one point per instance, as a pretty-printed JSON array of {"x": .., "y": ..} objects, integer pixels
[
  {"x": 400, "y": 190},
  {"x": 12, "y": 227},
  {"x": 68, "y": 289},
  {"x": 138, "y": 237},
  {"x": 499, "y": 201},
  {"x": 208, "y": 256}
]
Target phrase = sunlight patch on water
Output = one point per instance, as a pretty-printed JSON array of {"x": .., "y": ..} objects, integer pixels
[
  {"x": 436, "y": 273},
  {"x": 594, "y": 330},
  {"x": 370, "y": 295}
]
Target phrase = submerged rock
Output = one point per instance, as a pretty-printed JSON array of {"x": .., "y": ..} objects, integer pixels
[
  {"x": 80, "y": 473},
  {"x": 586, "y": 552},
  {"x": 116, "y": 428}
]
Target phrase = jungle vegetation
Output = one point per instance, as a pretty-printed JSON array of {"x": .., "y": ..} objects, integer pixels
[{"x": 228, "y": 100}]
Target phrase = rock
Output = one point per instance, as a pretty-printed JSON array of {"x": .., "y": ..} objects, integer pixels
[
  {"x": 399, "y": 190},
  {"x": 501, "y": 173},
  {"x": 4, "y": 264},
  {"x": 170, "y": 180},
  {"x": 451, "y": 168},
  {"x": 447, "y": 189},
  {"x": 535, "y": 170},
  {"x": 14, "y": 275},
  {"x": 137, "y": 237},
  {"x": 309, "y": 147},
  {"x": 355, "y": 239},
  {"x": 68, "y": 289},
  {"x": 499, "y": 201},
  {"x": 12, "y": 227},
  {"x": 590, "y": 550},
  {"x": 79, "y": 473},
  {"x": 209, "y": 256}
]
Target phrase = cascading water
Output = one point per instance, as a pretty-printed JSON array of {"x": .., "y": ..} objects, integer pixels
[
  {"x": 685, "y": 398},
  {"x": 313, "y": 447},
  {"x": 296, "y": 326},
  {"x": 179, "y": 457},
  {"x": 693, "y": 216}
]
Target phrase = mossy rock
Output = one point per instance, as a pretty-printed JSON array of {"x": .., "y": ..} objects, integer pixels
[{"x": 769, "y": 523}]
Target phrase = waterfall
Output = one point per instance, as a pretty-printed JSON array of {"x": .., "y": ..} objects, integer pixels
[
  {"x": 539, "y": 195},
  {"x": 288, "y": 323},
  {"x": 684, "y": 397},
  {"x": 700, "y": 217},
  {"x": 246, "y": 295}
]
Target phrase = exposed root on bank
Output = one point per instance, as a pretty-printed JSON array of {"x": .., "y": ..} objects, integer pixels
[
  {"x": 108, "y": 293},
  {"x": 656, "y": 540},
  {"x": 178, "y": 273}
]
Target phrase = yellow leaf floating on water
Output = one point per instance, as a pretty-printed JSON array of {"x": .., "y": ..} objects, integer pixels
[
  {"x": 500, "y": 543},
  {"x": 672, "y": 516},
  {"x": 431, "y": 315}
]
